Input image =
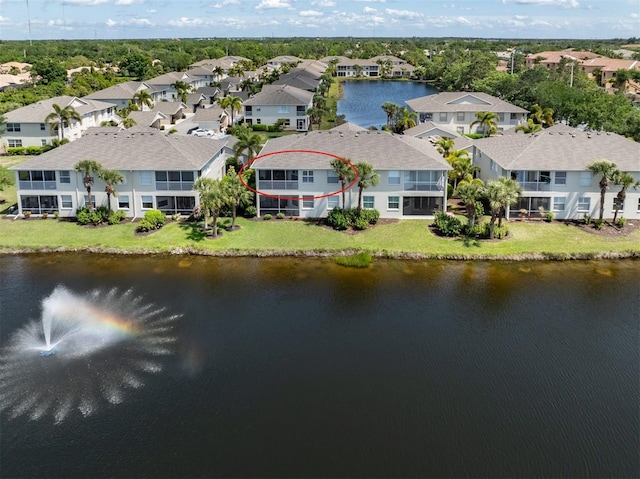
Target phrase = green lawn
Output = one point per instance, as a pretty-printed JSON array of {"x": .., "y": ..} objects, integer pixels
[{"x": 405, "y": 237}]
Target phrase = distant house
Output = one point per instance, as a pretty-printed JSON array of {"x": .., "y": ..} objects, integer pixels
[
  {"x": 214, "y": 118},
  {"x": 551, "y": 168},
  {"x": 382, "y": 65},
  {"x": 551, "y": 60},
  {"x": 123, "y": 93},
  {"x": 277, "y": 62},
  {"x": 164, "y": 84},
  {"x": 457, "y": 110},
  {"x": 172, "y": 111},
  {"x": 279, "y": 102},
  {"x": 412, "y": 174},
  {"x": 159, "y": 172},
  {"x": 27, "y": 126},
  {"x": 153, "y": 119}
]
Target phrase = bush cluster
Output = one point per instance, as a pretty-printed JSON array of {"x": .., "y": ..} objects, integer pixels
[
  {"x": 250, "y": 211},
  {"x": 447, "y": 225},
  {"x": 24, "y": 150},
  {"x": 85, "y": 216},
  {"x": 153, "y": 220},
  {"x": 341, "y": 220},
  {"x": 451, "y": 226}
]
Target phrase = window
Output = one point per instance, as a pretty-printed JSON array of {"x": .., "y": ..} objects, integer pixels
[
  {"x": 368, "y": 201},
  {"x": 65, "y": 176},
  {"x": 278, "y": 179},
  {"x": 85, "y": 198},
  {"x": 638, "y": 204},
  {"x": 393, "y": 203},
  {"x": 307, "y": 202},
  {"x": 421, "y": 180},
  {"x": 332, "y": 177},
  {"x": 37, "y": 180},
  {"x": 514, "y": 116},
  {"x": 147, "y": 202},
  {"x": 43, "y": 127},
  {"x": 145, "y": 178},
  {"x": 501, "y": 117},
  {"x": 283, "y": 109},
  {"x": 43, "y": 142},
  {"x": 39, "y": 204},
  {"x": 561, "y": 178},
  {"x": 585, "y": 178},
  {"x": 617, "y": 204},
  {"x": 307, "y": 176},
  {"x": 460, "y": 130},
  {"x": 174, "y": 180},
  {"x": 123, "y": 202},
  {"x": 558, "y": 203},
  {"x": 584, "y": 203},
  {"x": 334, "y": 202},
  {"x": 443, "y": 117},
  {"x": 393, "y": 177},
  {"x": 460, "y": 116},
  {"x": 176, "y": 204},
  {"x": 66, "y": 201},
  {"x": 14, "y": 143},
  {"x": 13, "y": 127}
]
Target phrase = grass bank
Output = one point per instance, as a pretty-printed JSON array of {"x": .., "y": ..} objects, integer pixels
[{"x": 403, "y": 239}]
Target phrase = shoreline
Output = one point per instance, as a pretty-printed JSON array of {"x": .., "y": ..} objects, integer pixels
[{"x": 180, "y": 251}]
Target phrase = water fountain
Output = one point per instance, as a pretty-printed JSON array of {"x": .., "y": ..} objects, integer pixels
[{"x": 85, "y": 350}]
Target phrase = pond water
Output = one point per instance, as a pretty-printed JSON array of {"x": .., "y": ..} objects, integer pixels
[
  {"x": 363, "y": 99},
  {"x": 301, "y": 368}
]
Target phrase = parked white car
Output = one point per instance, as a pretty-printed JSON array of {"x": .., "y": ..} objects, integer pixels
[{"x": 202, "y": 132}]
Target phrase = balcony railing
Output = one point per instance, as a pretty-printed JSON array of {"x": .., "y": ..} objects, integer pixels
[
  {"x": 37, "y": 185},
  {"x": 174, "y": 185},
  {"x": 278, "y": 184},
  {"x": 535, "y": 185},
  {"x": 420, "y": 186}
]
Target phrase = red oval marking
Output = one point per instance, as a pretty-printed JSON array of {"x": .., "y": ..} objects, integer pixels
[{"x": 297, "y": 198}]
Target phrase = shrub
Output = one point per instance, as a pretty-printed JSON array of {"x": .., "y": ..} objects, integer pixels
[
  {"x": 499, "y": 232},
  {"x": 26, "y": 214},
  {"x": 33, "y": 150},
  {"x": 447, "y": 225},
  {"x": 172, "y": 131},
  {"x": 267, "y": 217},
  {"x": 175, "y": 216},
  {"x": 56, "y": 214},
  {"x": 250, "y": 211},
  {"x": 156, "y": 218},
  {"x": 337, "y": 219},
  {"x": 449, "y": 190},
  {"x": 116, "y": 217},
  {"x": 144, "y": 226},
  {"x": 280, "y": 216},
  {"x": 621, "y": 222},
  {"x": 549, "y": 215},
  {"x": 477, "y": 230},
  {"x": 45, "y": 216},
  {"x": 587, "y": 219},
  {"x": 260, "y": 127},
  {"x": 372, "y": 216},
  {"x": 16, "y": 151},
  {"x": 83, "y": 215},
  {"x": 360, "y": 223},
  {"x": 599, "y": 224}
]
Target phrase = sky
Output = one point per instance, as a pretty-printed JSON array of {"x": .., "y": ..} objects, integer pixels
[{"x": 115, "y": 19}]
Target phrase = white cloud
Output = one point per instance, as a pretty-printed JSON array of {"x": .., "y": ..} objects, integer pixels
[
  {"x": 186, "y": 22},
  {"x": 152, "y": 10},
  {"x": 324, "y": 3},
  {"x": 82, "y": 3},
  {"x": 225, "y": 3},
  {"x": 270, "y": 4},
  {"x": 369, "y": 10},
  {"x": 371, "y": 1},
  {"x": 111, "y": 23},
  {"x": 634, "y": 15},
  {"x": 310, "y": 13},
  {"x": 128, "y": 2},
  {"x": 558, "y": 3},
  {"x": 404, "y": 14}
]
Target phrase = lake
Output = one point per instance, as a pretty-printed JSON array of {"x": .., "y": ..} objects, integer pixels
[
  {"x": 363, "y": 99},
  {"x": 246, "y": 367}
]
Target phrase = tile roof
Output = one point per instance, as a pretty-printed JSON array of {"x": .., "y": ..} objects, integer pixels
[
  {"x": 462, "y": 101},
  {"x": 280, "y": 95},
  {"x": 385, "y": 151},
  {"x": 561, "y": 147},
  {"x": 138, "y": 148}
]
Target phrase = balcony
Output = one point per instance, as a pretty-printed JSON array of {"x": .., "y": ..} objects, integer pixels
[{"x": 535, "y": 185}]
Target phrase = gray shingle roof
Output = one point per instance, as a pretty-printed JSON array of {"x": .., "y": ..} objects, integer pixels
[
  {"x": 170, "y": 78},
  {"x": 384, "y": 151},
  {"x": 37, "y": 112},
  {"x": 561, "y": 148},
  {"x": 169, "y": 107},
  {"x": 138, "y": 148},
  {"x": 146, "y": 118},
  {"x": 116, "y": 92},
  {"x": 280, "y": 95},
  {"x": 448, "y": 102}
]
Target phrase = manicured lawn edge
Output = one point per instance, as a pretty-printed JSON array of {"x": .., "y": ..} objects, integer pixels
[{"x": 407, "y": 239}]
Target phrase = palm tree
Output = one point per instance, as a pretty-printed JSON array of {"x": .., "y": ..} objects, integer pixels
[
  {"x": 366, "y": 177},
  {"x": 406, "y": 119},
  {"x": 61, "y": 117},
  {"x": 390, "y": 109},
  {"x": 529, "y": 127},
  {"x": 607, "y": 169},
  {"x": 142, "y": 98},
  {"x": 249, "y": 142},
  {"x": 626, "y": 180},
  {"x": 463, "y": 169},
  {"x": 445, "y": 145},
  {"x": 486, "y": 121},
  {"x": 315, "y": 115},
  {"x": 345, "y": 175},
  {"x": 236, "y": 193},
  {"x": 218, "y": 72},
  {"x": 471, "y": 194},
  {"x": 212, "y": 200},
  {"x": 111, "y": 178},
  {"x": 235, "y": 104},
  {"x": 501, "y": 195},
  {"x": 87, "y": 167},
  {"x": 181, "y": 89},
  {"x": 123, "y": 113},
  {"x": 542, "y": 116}
]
